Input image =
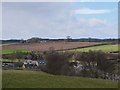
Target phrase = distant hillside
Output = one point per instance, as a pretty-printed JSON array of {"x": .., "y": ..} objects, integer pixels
[{"x": 38, "y": 40}]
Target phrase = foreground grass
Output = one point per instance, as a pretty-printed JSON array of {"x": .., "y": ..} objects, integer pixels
[
  {"x": 14, "y": 51},
  {"x": 104, "y": 48},
  {"x": 0, "y": 77},
  {"x": 38, "y": 79}
]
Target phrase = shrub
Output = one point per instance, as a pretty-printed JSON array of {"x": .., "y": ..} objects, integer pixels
[
  {"x": 95, "y": 64},
  {"x": 57, "y": 62}
]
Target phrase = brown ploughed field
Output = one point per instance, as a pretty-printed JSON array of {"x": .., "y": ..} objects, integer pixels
[{"x": 44, "y": 46}]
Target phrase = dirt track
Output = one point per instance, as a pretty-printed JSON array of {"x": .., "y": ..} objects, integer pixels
[{"x": 46, "y": 45}]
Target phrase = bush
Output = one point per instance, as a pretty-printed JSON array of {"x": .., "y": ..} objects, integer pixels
[
  {"x": 95, "y": 64},
  {"x": 57, "y": 62}
]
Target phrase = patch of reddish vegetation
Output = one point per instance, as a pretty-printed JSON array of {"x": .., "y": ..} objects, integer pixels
[{"x": 47, "y": 45}]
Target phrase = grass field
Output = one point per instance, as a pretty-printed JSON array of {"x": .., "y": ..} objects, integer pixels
[
  {"x": 14, "y": 51},
  {"x": 0, "y": 78},
  {"x": 104, "y": 48},
  {"x": 38, "y": 79},
  {"x": 9, "y": 60}
]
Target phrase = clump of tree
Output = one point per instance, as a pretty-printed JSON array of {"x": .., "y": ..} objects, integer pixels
[
  {"x": 33, "y": 40},
  {"x": 34, "y": 55},
  {"x": 57, "y": 62},
  {"x": 95, "y": 64}
]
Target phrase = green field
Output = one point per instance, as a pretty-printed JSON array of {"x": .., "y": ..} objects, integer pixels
[
  {"x": 38, "y": 79},
  {"x": 9, "y": 60},
  {"x": 104, "y": 48},
  {"x": 0, "y": 78},
  {"x": 14, "y": 51}
]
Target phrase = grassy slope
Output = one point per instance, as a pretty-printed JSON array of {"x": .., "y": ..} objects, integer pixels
[
  {"x": 37, "y": 79},
  {"x": 104, "y": 48},
  {"x": 14, "y": 51},
  {"x": 9, "y": 60}
]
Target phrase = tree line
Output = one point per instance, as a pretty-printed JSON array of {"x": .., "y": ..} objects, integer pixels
[
  {"x": 68, "y": 38},
  {"x": 92, "y": 64}
]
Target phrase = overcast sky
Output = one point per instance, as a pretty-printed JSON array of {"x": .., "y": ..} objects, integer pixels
[{"x": 23, "y": 20}]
